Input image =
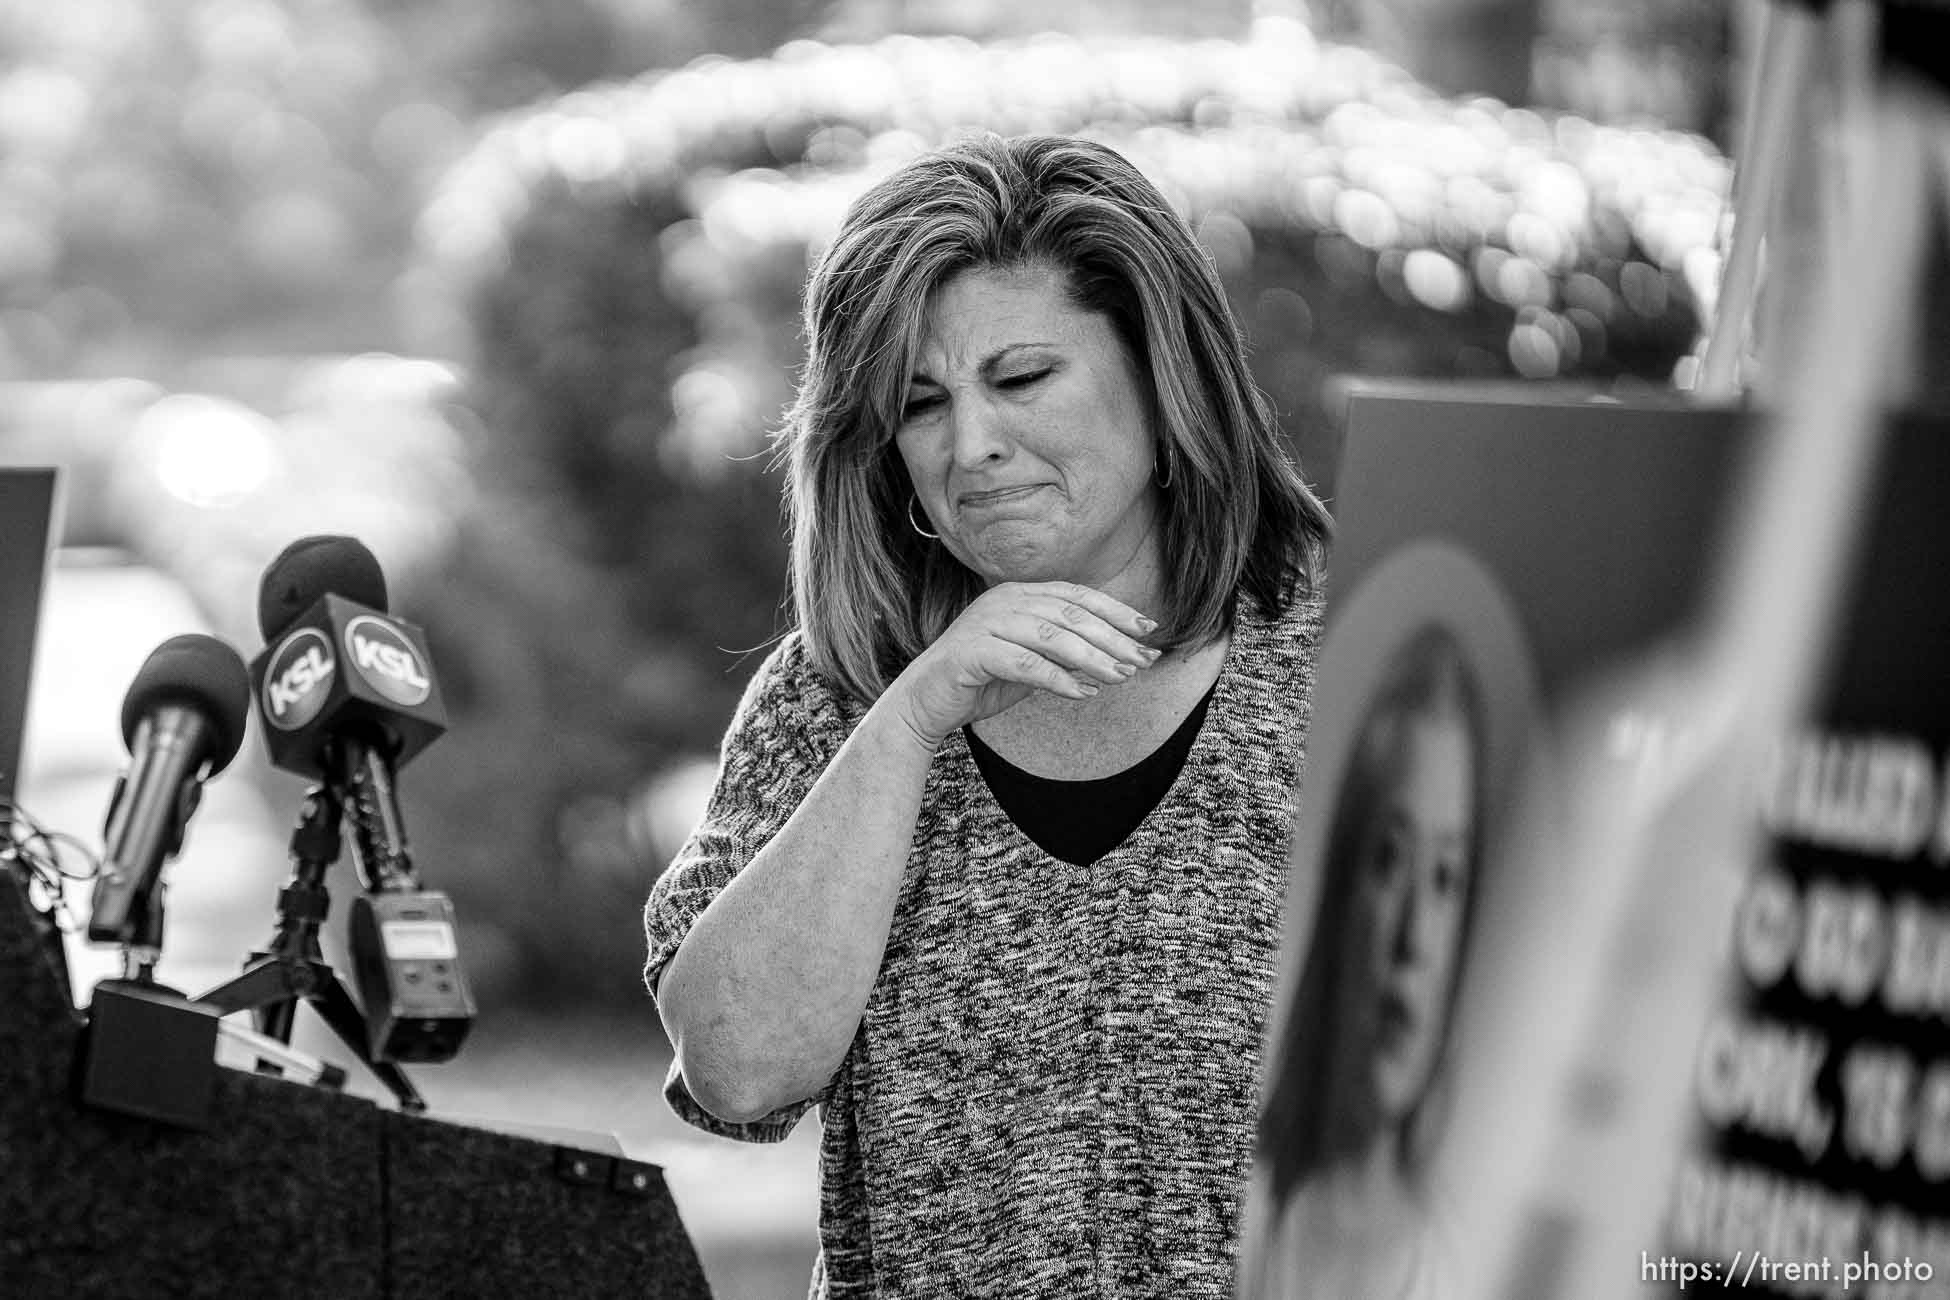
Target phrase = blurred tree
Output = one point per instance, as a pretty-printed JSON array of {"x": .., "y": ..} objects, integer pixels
[
  {"x": 1665, "y": 61},
  {"x": 192, "y": 176},
  {"x": 1457, "y": 47},
  {"x": 501, "y": 54},
  {"x": 865, "y": 20},
  {"x": 188, "y": 177}
]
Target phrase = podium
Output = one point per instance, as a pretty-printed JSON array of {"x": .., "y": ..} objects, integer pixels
[{"x": 293, "y": 1191}]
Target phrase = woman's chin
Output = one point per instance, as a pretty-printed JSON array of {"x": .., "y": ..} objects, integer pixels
[
  {"x": 1398, "y": 1087},
  {"x": 1017, "y": 561}
]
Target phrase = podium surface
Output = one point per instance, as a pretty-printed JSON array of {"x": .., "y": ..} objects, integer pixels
[{"x": 294, "y": 1190}]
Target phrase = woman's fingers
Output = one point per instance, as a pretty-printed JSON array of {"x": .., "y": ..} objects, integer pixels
[
  {"x": 1132, "y": 625},
  {"x": 1010, "y": 661},
  {"x": 1104, "y": 621},
  {"x": 1046, "y": 634},
  {"x": 1080, "y": 628},
  {"x": 1061, "y": 637}
]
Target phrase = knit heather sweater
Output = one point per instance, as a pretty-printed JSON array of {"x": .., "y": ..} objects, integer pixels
[{"x": 1052, "y": 1090}]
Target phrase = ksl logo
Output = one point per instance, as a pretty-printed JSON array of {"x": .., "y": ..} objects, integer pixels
[
  {"x": 387, "y": 660},
  {"x": 299, "y": 679}
]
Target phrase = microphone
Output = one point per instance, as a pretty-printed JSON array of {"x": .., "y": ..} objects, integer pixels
[
  {"x": 348, "y": 696},
  {"x": 182, "y": 720},
  {"x": 338, "y": 675}
]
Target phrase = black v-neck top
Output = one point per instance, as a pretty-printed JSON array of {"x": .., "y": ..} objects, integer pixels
[{"x": 1080, "y": 821}]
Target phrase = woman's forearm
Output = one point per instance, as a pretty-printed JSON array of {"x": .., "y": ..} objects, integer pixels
[
  {"x": 762, "y": 997},
  {"x": 764, "y": 994}
]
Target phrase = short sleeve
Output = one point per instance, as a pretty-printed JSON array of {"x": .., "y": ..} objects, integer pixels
[{"x": 786, "y": 730}]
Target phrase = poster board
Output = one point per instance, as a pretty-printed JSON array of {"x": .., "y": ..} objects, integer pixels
[{"x": 1554, "y": 550}]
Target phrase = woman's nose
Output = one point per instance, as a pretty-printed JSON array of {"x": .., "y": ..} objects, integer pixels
[
  {"x": 979, "y": 431},
  {"x": 1405, "y": 922}
]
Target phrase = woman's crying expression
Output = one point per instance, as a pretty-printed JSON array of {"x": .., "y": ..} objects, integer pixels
[{"x": 1026, "y": 435}]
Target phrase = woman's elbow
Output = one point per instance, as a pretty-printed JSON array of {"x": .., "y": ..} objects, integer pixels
[
  {"x": 730, "y": 1104},
  {"x": 714, "y": 1081},
  {"x": 733, "y": 1070},
  {"x": 736, "y": 1096}
]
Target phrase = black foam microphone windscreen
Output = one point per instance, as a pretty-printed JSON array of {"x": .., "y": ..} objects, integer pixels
[
  {"x": 313, "y": 567},
  {"x": 183, "y": 720},
  {"x": 196, "y": 672}
]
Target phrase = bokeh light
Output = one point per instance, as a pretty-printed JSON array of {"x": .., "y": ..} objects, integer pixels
[{"x": 208, "y": 452}]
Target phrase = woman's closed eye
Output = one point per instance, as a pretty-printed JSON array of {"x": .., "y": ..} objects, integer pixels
[
  {"x": 922, "y": 401},
  {"x": 919, "y": 404}
]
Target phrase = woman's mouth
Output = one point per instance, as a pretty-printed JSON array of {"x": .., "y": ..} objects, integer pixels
[
  {"x": 995, "y": 496},
  {"x": 1394, "y": 1014}
]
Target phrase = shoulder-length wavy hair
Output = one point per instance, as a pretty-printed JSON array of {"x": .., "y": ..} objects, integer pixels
[
  {"x": 1320, "y": 1107},
  {"x": 869, "y": 592}
]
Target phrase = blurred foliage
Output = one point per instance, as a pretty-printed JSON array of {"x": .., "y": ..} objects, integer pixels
[
  {"x": 620, "y": 269},
  {"x": 1656, "y": 60},
  {"x": 850, "y": 22},
  {"x": 186, "y": 177},
  {"x": 1477, "y": 47},
  {"x": 1652, "y": 60},
  {"x": 224, "y": 171}
]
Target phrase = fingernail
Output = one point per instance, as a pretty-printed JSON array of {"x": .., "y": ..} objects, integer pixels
[
  {"x": 1151, "y": 653},
  {"x": 1089, "y": 688},
  {"x": 1147, "y": 624},
  {"x": 1127, "y": 670}
]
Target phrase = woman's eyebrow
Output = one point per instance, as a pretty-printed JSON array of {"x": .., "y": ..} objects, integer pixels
[{"x": 995, "y": 359}]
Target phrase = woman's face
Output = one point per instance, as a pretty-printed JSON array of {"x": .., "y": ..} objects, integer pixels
[
  {"x": 1025, "y": 434},
  {"x": 1414, "y": 875}
]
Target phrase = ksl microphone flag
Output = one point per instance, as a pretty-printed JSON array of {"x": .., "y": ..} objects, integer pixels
[{"x": 339, "y": 667}]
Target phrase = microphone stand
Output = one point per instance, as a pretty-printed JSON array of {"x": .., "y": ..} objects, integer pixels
[
  {"x": 293, "y": 967},
  {"x": 144, "y": 947}
]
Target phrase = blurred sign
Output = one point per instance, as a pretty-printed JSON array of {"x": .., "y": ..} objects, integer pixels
[
  {"x": 1509, "y": 583},
  {"x": 1823, "y": 1083},
  {"x": 26, "y": 517}
]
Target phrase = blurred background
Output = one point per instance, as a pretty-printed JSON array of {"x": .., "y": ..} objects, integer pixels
[{"x": 509, "y": 291}]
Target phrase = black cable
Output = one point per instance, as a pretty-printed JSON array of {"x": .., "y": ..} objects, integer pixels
[{"x": 38, "y": 860}]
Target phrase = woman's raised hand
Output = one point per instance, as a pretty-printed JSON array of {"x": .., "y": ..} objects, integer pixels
[{"x": 1013, "y": 640}]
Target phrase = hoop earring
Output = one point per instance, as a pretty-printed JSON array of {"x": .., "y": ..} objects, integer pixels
[
  {"x": 1170, "y": 465},
  {"x": 915, "y": 524}
]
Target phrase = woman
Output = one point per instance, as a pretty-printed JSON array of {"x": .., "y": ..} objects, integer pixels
[
  {"x": 993, "y": 867},
  {"x": 1354, "y": 1109}
]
